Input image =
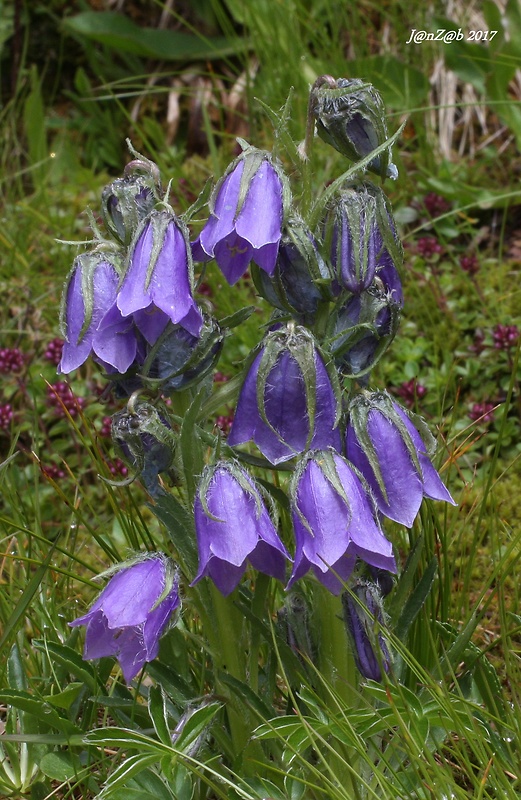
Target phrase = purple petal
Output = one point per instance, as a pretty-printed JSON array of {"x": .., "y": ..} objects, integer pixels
[
  {"x": 233, "y": 256},
  {"x": 104, "y": 286},
  {"x": 157, "y": 621},
  {"x": 402, "y": 483},
  {"x": 266, "y": 257},
  {"x": 198, "y": 254},
  {"x": 286, "y": 410},
  {"x": 433, "y": 486},
  {"x": 99, "y": 639},
  {"x": 335, "y": 577},
  {"x": 132, "y": 654},
  {"x": 270, "y": 559},
  {"x": 132, "y": 592},
  {"x": 225, "y": 576},
  {"x": 115, "y": 340},
  {"x": 260, "y": 218},
  {"x": 151, "y": 322}
]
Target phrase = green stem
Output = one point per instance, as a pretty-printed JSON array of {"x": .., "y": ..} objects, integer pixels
[
  {"x": 338, "y": 670},
  {"x": 227, "y": 638},
  {"x": 258, "y": 605}
]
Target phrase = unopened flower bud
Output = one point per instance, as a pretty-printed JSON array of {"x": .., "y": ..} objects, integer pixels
[
  {"x": 362, "y": 330},
  {"x": 301, "y": 278},
  {"x": 363, "y": 617},
  {"x": 127, "y": 201},
  {"x": 360, "y": 236},
  {"x": 350, "y": 116},
  {"x": 147, "y": 441},
  {"x": 180, "y": 359}
]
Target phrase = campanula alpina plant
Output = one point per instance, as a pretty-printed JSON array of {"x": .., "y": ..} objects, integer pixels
[
  {"x": 334, "y": 521},
  {"x": 131, "y": 614},
  {"x": 247, "y": 212},
  {"x": 384, "y": 443},
  {"x": 299, "y": 488},
  {"x": 233, "y": 526},
  {"x": 289, "y": 401}
]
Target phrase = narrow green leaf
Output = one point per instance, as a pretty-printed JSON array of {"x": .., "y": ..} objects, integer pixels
[
  {"x": 131, "y": 766},
  {"x": 25, "y": 600},
  {"x": 158, "y": 714},
  {"x": 416, "y": 600},
  {"x": 118, "y": 32},
  {"x": 180, "y": 525},
  {"x": 37, "y": 708},
  {"x": 195, "y": 726},
  {"x": 405, "y": 584},
  {"x": 70, "y": 659},
  {"x": 191, "y": 446}
]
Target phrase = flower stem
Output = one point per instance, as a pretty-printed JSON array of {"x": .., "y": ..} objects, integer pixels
[
  {"x": 228, "y": 644},
  {"x": 340, "y": 677}
]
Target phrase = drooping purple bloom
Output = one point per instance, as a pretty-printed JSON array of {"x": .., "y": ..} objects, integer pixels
[
  {"x": 91, "y": 321},
  {"x": 131, "y": 614},
  {"x": 287, "y": 402},
  {"x": 233, "y": 526},
  {"x": 384, "y": 443},
  {"x": 246, "y": 217},
  {"x": 334, "y": 522},
  {"x": 370, "y": 649},
  {"x": 159, "y": 272}
]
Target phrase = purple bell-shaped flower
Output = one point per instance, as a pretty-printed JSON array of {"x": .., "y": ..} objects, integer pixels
[
  {"x": 384, "y": 443},
  {"x": 233, "y": 526},
  {"x": 246, "y": 216},
  {"x": 160, "y": 272},
  {"x": 289, "y": 399},
  {"x": 334, "y": 521},
  {"x": 131, "y": 614},
  {"x": 91, "y": 321}
]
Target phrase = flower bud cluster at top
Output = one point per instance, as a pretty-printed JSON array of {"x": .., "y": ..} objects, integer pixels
[{"x": 331, "y": 273}]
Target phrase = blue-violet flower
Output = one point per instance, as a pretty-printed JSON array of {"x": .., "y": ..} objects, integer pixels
[
  {"x": 247, "y": 210},
  {"x": 233, "y": 526},
  {"x": 131, "y": 614},
  {"x": 334, "y": 521},
  {"x": 289, "y": 400},
  {"x": 384, "y": 443}
]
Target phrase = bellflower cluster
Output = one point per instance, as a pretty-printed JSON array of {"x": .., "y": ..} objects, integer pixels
[{"x": 309, "y": 437}]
